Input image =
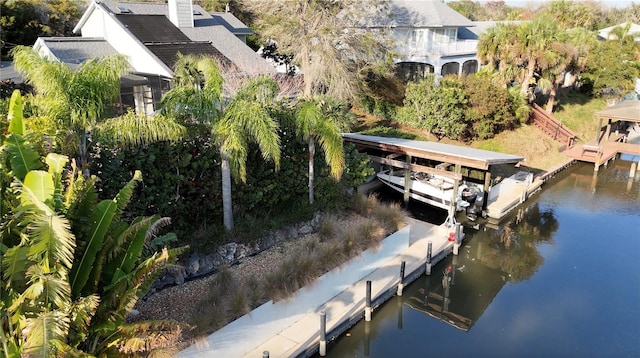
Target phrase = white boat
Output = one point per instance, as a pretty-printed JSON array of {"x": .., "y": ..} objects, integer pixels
[{"x": 436, "y": 190}]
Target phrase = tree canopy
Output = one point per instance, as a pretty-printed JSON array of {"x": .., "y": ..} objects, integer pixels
[
  {"x": 23, "y": 21},
  {"x": 327, "y": 40},
  {"x": 438, "y": 109}
]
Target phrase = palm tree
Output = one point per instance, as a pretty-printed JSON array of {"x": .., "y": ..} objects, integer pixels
[
  {"x": 197, "y": 96},
  {"x": 246, "y": 119},
  {"x": 318, "y": 120},
  {"x": 79, "y": 101}
]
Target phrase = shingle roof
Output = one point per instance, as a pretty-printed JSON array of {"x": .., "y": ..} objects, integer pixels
[
  {"x": 200, "y": 16},
  {"x": 144, "y": 21},
  {"x": 425, "y": 13},
  {"x": 7, "y": 72},
  {"x": 232, "y": 48},
  {"x": 480, "y": 27},
  {"x": 75, "y": 50},
  {"x": 231, "y": 23},
  {"x": 168, "y": 53},
  {"x": 152, "y": 28}
]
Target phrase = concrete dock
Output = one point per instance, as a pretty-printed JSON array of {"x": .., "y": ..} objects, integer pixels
[{"x": 290, "y": 328}]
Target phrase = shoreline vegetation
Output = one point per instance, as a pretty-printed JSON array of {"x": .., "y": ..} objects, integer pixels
[{"x": 208, "y": 304}]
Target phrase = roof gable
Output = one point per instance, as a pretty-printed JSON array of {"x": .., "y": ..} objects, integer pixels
[
  {"x": 75, "y": 50},
  {"x": 150, "y": 24}
]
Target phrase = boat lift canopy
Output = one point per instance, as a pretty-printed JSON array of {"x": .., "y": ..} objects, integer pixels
[{"x": 446, "y": 153}]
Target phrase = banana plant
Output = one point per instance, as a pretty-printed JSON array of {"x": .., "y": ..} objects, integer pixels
[{"x": 71, "y": 268}]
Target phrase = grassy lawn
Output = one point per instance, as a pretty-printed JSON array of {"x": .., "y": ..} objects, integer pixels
[{"x": 577, "y": 111}]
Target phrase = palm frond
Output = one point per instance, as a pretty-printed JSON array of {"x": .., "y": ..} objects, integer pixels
[
  {"x": 86, "y": 258},
  {"x": 307, "y": 115},
  {"x": 22, "y": 157},
  {"x": 124, "y": 195},
  {"x": 80, "y": 200},
  {"x": 81, "y": 312},
  {"x": 47, "y": 287},
  {"x": 120, "y": 297},
  {"x": 331, "y": 143},
  {"x": 121, "y": 260},
  {"x": 53, "y": 239},
  {"x": 15, "y": 116},
  {"x": 156, "y": 226},
  {"x": 255, "y": 123},
  {"x": 44, "y": 331},
  {"x": 14, "y": 266},
  {"x": 146, "y": 337},
  {"x": 133, "y": 129},
  {"x": 118, "y": 244}
]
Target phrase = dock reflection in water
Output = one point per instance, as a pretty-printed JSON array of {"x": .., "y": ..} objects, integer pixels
[
  {"x": 459, "y": 294},
  {"x": 543, "y": 281},
  {"x": 461, "y": 287}
]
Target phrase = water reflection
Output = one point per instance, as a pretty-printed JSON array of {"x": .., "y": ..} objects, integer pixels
[
  {"x": 459, "y": 294},
  {"x": 525, "y": 287}
]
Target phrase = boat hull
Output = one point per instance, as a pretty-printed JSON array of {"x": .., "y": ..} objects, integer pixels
[{"x": 420, "y": 191}]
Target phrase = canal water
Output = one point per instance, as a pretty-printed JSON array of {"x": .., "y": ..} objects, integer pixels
[{"x": 560, "y": 277}]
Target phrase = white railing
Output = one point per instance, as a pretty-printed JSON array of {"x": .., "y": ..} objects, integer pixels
[{"x": 441, "y": 49}]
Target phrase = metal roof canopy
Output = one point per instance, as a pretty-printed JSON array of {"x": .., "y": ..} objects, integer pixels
[
  {"x": 446, "y": 153},
  {"x": 625, "y": 110}
]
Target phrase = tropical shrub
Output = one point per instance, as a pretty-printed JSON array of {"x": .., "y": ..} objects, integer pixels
[
  {"x": 488, "y": 111},
  {"x": 183, "y": 181},
  {"x": 71, "y": 268},
  {"x": 436, "y": 108}
]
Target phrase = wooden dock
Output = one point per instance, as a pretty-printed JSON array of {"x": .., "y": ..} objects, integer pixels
[{"x": 602, "y": 153}]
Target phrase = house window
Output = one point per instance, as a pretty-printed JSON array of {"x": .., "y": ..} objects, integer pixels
[
  {"x": 443, "y": 35},
  {"x": 417, "y": 38}
]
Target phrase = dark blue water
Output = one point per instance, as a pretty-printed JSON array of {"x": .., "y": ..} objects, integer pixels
[{"x": 559, "y": 278}]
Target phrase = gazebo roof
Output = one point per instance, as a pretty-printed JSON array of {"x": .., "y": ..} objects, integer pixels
[{"x": 625, "y": 110}]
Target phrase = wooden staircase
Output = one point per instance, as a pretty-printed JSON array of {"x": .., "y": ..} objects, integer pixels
[{"x": 551, "y": 126}]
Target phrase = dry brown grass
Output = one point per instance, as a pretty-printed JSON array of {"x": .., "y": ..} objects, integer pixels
[{"x": 540, "y": 151}]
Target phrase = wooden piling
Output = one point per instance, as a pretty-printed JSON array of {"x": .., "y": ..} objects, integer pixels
[
  {"x": 367, "y": 308},
  {"x": 323, "y": 334},
  {"x": 401, "y": 283},
  {"x": 458, "y": 238},
  {"x": 632, "y": 171},
  {"x": 407, "y": 181},
  {"x": 429, "y": 252}
]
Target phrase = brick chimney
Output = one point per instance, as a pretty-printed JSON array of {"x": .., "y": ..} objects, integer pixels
[{"x": 181, "y": 13}]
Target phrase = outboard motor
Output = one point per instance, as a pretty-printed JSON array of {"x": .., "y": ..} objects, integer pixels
[{"x": 474, "y": 197}]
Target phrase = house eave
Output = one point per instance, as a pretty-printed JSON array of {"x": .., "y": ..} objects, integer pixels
[{"x": 84, "y": 17}]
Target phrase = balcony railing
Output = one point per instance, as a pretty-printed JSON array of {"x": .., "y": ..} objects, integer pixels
[{"x": 459, "y": 47}]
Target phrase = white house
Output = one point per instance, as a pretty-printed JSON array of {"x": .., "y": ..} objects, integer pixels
[
  {"x": 432, "y": 38},
  {"x": 151, "y": 35}
]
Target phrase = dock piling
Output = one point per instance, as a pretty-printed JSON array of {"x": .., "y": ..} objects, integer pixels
[
  {"x": 401, "y": 283},
  {"x": 367, "y": 308},
  {"x": 458, "y": 238},
  {"x": 323, "y": 334},
  {"x": 429, "y": 251},
  {"x": 632, "y": 171}
]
